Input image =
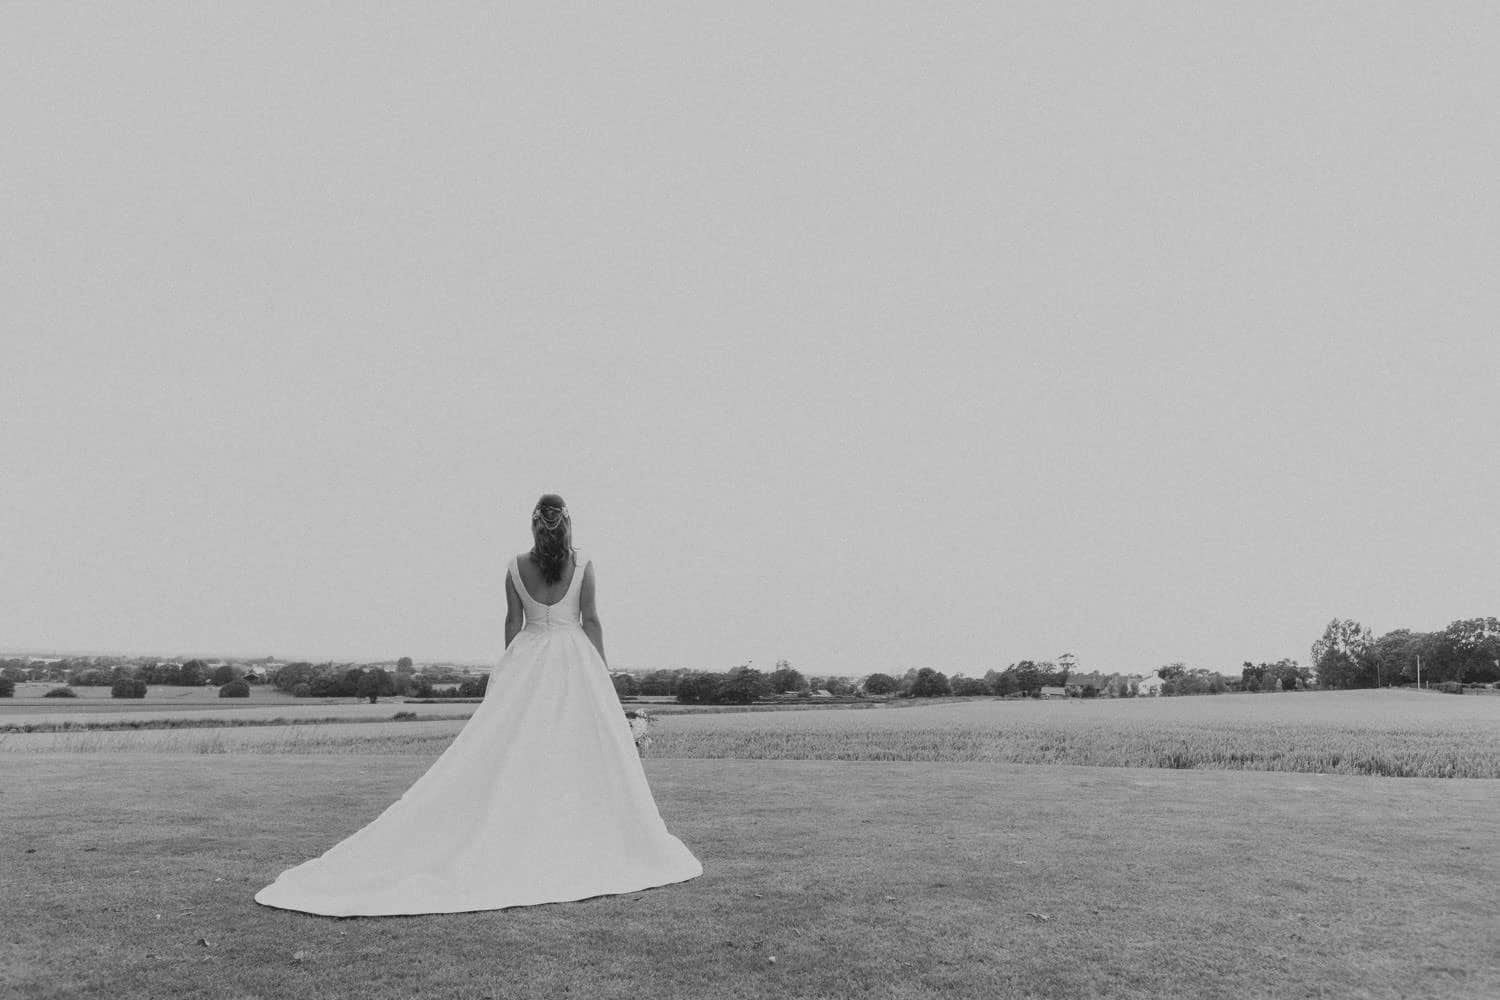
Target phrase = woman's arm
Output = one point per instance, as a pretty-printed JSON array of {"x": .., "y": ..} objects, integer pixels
[
  {"x": 515, "y": 614},
  {"x": 591, "y": 626}
]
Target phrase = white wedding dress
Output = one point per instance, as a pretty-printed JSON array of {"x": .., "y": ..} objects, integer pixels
[{"x": 541, "y": 798}]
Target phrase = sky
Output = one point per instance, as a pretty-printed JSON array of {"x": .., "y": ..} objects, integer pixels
[{"x": 869, "y": 336}]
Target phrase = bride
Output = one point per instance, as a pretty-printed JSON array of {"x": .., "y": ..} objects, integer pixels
[{"x": 541, "y": 798}]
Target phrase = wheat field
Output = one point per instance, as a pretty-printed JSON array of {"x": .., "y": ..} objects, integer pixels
[{"x": 1388, "y": 733}]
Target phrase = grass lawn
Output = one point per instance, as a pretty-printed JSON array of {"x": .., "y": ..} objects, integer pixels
[{"x": 863, "y": 879}]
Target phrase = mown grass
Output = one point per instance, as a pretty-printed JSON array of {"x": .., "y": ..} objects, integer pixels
[{"x": 133, "y": 877}]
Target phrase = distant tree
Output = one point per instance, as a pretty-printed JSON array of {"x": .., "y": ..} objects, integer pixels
[
  {"x": 741, "y": 686},
  {"x": 930, "y": 683},
  {"x": 1473, "y": 647},
  {"x": 61, "y": 692},
  {"x": 661, "y": 683},
  {"x": 236, "y": 688},
  {"x": 839, "y": 686},
  {"x": 969, "y": 687},
  {"x": 7, "y": 687},
  {"x": 1029, "y": 677},
  {"x": 223, "y": 674},
  {"x": 697, "y": 688},
  {"x": 474, "y": 687},
  {"x": 879, "y": 684},
  {"x": 193, "y": 673},
  {"x": 1337, "y": 669},
  {"x": 404, "y": 663},
  {"x": 301, "y": 690},
  {"x": 128, "y": 687},
  {"x": 784, "y": 678},
  {"x": 1339, "y": 652},
  {"x": 326, "y": 686},
  {"x": 288, "y": 677},
  {"x": 1051, "y": 674},
  {"x": 90, "y": 677},
  {"x": 372, "y": 684},
  {"x": 1172, "y": 671},
  {"x": 1000, "y": 682},
  {"x": 626, "y": 686}
]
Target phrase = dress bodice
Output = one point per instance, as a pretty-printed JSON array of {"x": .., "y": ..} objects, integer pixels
[{"x": 565, "y": 613}]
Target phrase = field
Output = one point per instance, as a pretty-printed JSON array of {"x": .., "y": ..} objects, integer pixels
[
  {"x": 893, "y": 852},
  {"x": 1387, "y": 733}
]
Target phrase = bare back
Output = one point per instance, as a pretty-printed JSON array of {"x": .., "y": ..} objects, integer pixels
[{"x": 539, "y": 590}]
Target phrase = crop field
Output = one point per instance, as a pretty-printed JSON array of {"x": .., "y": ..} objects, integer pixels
[
  {"x": 1389, "y": 733},
  {"x": 1384, "y": 733}
]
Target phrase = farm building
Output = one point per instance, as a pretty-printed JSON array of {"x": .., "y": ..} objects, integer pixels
[{"x": 1053, "y": 691}]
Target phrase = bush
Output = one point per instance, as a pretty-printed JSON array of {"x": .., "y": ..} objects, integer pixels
[
  {"x": 61, "y": 693},
  {"x": 128, "y": 687},
  {"x": 1449, "y": 687},
  {"x": 7, "y": 687},
  {"x": 235, "y": 689},
  {"x": 301, "y": 690}
]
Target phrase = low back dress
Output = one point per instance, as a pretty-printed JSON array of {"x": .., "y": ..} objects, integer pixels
[{"x": 541, "y": 798}]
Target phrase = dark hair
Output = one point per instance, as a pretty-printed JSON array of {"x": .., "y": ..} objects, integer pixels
[{"x": 551, "y": 548}]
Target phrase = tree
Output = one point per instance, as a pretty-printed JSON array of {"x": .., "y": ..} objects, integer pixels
[
  {"x": 1001, "y": 683},
  {"x": 661, "y": 682},
  {"x": 879, "y": 684},
  {"x": 969, "y": 687},
  {"x": 1473, "y": 645},
  {"x": 1342, "y": 646},
  {"x": 288, "y": 677},
  {"x": 7, "y": 687},
  {"x": 404, "y": 664},
  {"x": 930, "y": 683},
  {"x": 128, "y": 687},
  {"x": 223, "y": 674},
  {"x": 236, "y": 688},
  {"x": 373, "y": 683},
  {"x": 784, "y": 679},
  {"x": 1028, "y": 675},
  {"x": 696, "y": 688},
  {"x": 625, "y": 685},
  {"x": 741, "y": 686},
  {"x": 838, "y": 686},
  {"x": 193, "y": 673},
  {"x": 1171, "y": 672}
]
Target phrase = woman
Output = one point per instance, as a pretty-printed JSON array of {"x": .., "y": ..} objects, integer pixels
[{"x": 541, "y": 798}]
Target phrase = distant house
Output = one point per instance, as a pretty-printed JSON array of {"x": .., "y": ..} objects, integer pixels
[
  {"x": 822, "y": 693},
  {"x": 1149, "y": 687},
  {"x": 1053, "y": 691}
]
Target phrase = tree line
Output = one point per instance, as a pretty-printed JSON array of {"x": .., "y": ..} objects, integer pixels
[{"x": 1347, "y": 655}]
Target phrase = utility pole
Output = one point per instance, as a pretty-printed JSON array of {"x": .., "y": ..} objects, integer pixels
[{"x": 1419, "y": 671}]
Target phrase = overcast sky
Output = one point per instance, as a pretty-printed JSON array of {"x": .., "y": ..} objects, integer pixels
[{"x": 870, "y": 336}]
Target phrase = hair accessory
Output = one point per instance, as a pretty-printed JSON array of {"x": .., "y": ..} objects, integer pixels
[{"x": 549, "y": 517}]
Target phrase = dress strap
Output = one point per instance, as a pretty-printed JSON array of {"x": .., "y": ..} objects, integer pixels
[{"x": 580, "y": 563}]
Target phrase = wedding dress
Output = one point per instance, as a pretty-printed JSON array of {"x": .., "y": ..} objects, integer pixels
[{"x": 541, "y": 798}]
